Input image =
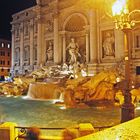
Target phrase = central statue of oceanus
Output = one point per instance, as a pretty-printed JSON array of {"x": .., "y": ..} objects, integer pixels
[{"x": 73, "y": 49}]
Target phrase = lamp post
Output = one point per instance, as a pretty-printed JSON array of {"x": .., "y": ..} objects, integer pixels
[{"x": 124, "y": 22}]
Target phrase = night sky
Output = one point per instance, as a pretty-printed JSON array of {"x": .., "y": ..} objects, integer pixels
[{"x": 7, "y": 8}]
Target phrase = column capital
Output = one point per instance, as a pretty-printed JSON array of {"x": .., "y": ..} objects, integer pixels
[{"x": 87, "y": 29}]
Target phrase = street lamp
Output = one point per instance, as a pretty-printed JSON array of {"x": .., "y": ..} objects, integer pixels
[{"x": 123, "y": 21}]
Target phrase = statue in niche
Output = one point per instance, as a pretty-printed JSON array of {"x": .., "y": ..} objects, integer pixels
[
  {"x": 49, "y": 51},
  {"x": 109, "y": 44},
  {"x": 73, "y": 49}
]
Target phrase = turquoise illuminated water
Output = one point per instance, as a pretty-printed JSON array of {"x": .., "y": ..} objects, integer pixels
[{"x": 27, "y": 112}]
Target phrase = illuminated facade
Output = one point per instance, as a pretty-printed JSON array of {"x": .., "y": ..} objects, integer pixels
[
  {"x": 55, "y": 22},
  {"x": 5, "y": 57}
]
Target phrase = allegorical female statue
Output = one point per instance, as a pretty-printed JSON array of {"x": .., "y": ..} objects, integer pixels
[
  {"x": 108, "y": 45},
  {"x": 73, "y": 49},
  {"x": 50, "y": 51}
]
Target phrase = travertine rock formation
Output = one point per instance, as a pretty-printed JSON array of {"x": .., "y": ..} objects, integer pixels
[
  {"x": 96, "y": 88},
  {"x": 16, "y": 88}
]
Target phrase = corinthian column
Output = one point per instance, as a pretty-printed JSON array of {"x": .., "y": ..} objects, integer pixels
[
  {"x": 93, "y": 37},
  {"x": 64, "y": 47},
  {"x": 87, "y": 43},
  {"x": 39, "y": 45},
  {"x": 56, "y": 42},
  {"x": 13, "y": 48},
  {"x": 21, "y": 47},
  {"x": 31, "y": 42}
]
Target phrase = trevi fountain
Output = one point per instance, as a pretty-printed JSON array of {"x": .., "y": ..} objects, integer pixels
[{"x": 64, "y": 96}]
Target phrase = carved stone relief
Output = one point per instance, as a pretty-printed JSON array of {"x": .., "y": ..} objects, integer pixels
[{"x": 49, "y": 26}]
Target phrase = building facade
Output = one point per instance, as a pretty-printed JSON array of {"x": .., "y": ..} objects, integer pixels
[
  {"x": 41, "y": 35},
  {"x": 5, "y": 57}
]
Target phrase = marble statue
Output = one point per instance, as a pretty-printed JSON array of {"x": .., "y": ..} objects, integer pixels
[
  {"x": 108, "y": 45},
  {"x": 50, "y": 51},
  {"x": 73, "y": 49}
]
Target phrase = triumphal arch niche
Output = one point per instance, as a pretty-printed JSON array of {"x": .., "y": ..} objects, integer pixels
[
  {"x": 73, "y": 33},
  {"x": 74, "y": 37}
]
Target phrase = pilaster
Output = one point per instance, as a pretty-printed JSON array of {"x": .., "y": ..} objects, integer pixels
[
  {"x": 93, "y": 37},
  {"x": 31, "y": 41},
  {"x": 21, "y": 46},
  {"x": 87, "y": 43},
  {"x": 56, "y": 38},
  {"x": 39, "y": 44},
  {"x": 13, "y": 47}
]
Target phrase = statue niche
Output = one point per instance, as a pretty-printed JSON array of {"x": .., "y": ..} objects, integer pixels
[{"x": 75, "y": 38}]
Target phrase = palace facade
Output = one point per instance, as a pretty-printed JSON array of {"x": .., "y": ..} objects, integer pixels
[
  {"x": 5, "y": 58},
  {"x": 41, "y": 36}
]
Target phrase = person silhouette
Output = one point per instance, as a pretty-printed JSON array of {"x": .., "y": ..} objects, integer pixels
[{"x": 33, "y": 134}]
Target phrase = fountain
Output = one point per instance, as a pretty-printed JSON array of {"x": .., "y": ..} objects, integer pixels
[
  {"x": 42, "y": 90},
  {"x": 55, "y": 84}
]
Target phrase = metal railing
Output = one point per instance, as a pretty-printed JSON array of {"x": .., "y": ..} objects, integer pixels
[{"x": 22, "y": 131}]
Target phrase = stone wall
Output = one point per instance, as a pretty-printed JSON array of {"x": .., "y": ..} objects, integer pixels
[{"x": 100, "y": 44}]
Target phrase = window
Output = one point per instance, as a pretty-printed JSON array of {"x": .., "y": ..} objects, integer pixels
[
  {"x": 8, "y": 45},
  {"x": 2, "y": 45},
  {"x": 2, "y": 70},
  {"x": 3, "y": 62},
  {"x": 8, "y": 62},
  {"x": 26, "y": 53},
  {"x": 17, "y": 32},
  {"x": 35, "y": 53},
  {"x": 8, "y": 70},
  {"x": 8, "y": 53},
  {"x": 17, "y": 51},
  {"x": 137, "y": 70}
]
